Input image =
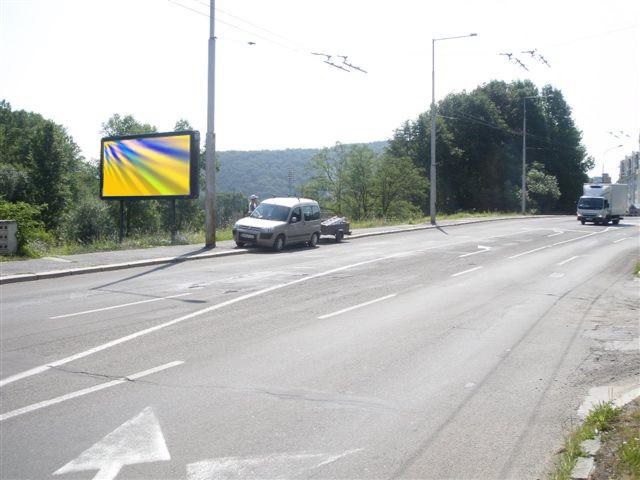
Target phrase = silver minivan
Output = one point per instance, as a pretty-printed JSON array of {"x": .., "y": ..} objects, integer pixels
[{"x": 277, "y": 222}]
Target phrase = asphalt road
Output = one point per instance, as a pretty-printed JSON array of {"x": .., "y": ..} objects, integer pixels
[{"x": 432, "y": 354}]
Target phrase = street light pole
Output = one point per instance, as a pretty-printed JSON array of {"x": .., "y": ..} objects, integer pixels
[
  {"x": 604, "y": 153},
  {"x": 210, "y": 172},
  {"x": 432, "y": 172}
]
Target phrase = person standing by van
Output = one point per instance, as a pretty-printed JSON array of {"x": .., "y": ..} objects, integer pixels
[{"x": 253, "y": 203}]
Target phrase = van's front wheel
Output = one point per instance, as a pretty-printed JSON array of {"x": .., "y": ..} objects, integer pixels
[
  {"x": 278, "y": 245},
  {"x": 313, "y": 243}
]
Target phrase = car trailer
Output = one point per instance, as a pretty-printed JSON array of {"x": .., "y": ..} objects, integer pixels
[{"x": 335, "y": 226}]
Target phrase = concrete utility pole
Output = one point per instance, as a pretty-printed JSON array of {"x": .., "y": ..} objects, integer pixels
[
  {"x": 432, "y": 173},
  {"x": 210, "y": 199}
]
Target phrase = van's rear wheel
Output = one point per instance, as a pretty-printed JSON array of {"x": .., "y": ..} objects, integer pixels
[
  {"x": 616, "y": 221},
  {"x": 278, "y": 245},
  {"x": 240, "y": 244},
  {"x": 582, "y": 222}
]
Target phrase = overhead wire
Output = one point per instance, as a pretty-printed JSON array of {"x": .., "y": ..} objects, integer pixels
[
  {"x": 236, "y": 27},
  {"x": 298, "y": 48}
]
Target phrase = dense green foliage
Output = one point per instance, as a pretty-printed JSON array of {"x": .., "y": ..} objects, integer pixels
[
  {"x": 479, "y": 147},
  {"x": 356, "y": 181}
]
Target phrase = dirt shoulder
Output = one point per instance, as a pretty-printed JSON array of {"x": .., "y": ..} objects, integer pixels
[{"x": 619, "y": 454}]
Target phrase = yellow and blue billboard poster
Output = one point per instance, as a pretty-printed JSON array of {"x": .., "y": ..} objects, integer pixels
[{"x": 157, "y": 165}]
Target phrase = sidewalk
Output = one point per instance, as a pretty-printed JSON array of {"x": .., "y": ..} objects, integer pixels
[{"x": 51, "y": 267}]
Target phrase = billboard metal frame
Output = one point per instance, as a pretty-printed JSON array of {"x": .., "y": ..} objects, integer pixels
[{"x": 194, "y": 162}]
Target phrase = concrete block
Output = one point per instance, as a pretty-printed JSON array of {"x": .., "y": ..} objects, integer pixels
[
  {"x": 590, "y": 447},
  {"x": 583, "y": 469}
]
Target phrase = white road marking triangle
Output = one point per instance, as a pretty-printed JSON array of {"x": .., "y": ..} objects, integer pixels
[{"x": 138, "y": 440}]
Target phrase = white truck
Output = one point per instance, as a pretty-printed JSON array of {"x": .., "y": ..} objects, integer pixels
[{"x": 602, "y": 203}]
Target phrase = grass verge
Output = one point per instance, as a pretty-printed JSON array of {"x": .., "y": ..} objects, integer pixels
[
  {"x": 129, "y": 243},
  {"x": 619, "y": 456},
  {"x": 389, "y": 222},
  {"x": 599, "y": 419},
  {"x": 184, "y": 238}
]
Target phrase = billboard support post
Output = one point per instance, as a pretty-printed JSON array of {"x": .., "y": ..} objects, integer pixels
[
  {"x": 173, "y": 221},
  {"x": 121, "y": 226}
]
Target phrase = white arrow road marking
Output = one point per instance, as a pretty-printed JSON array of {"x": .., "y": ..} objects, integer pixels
[
  {"x": 481, "y": 249},
  {"x": 120, "y": 306},
  {"x": 80, "y": 393},
  {"x": 138, "y": 440},
  {"x": 269, "y": 466},
  {"x": 558, "y": 232}
]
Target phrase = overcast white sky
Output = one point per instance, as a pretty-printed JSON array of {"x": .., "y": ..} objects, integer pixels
[{"x": 79, "y": 61}]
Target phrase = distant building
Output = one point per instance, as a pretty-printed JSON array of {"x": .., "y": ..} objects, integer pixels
[
  {"x": 630, "y": 174},
  {"x": 605, "y": 178}
]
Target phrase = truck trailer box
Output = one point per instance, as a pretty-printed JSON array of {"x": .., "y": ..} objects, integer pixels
[{"x": 615, "y": 193}]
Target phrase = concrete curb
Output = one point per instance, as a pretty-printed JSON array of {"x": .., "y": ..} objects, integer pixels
[{"x": 27, "y": 277}]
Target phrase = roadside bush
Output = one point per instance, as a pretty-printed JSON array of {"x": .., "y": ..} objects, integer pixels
[
  {"x": 89, "y": 221},
  {"x": 33, "y": 239}
]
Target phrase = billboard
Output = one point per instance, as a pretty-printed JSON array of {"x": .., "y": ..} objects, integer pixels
[{"x": 150, "y": 166}]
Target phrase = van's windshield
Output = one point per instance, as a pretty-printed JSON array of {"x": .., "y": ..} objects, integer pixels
[
  {"x": 591, "y": 203},
  {"x": 267, "y": 211}
]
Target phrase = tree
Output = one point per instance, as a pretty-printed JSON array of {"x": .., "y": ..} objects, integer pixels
[
  {"x": 50, "y": 174},
  {"x": 327, "y": 172},
  {"x": 542, "y": 189},
  {"x": 125, "y": 125},
  {"x": 398, "y": 183},
  {"x": 361, "y": 164},
  {"x": 479, "y": 145}
]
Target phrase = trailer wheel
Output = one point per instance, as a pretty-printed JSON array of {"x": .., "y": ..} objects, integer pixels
[
  {"x": 582, "y": 222},
  {"x": 616, "y": 221},
  {"x": 339, "y": 237}
]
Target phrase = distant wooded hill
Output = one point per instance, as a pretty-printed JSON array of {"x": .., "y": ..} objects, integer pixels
[{"x": 266, "y": 172}]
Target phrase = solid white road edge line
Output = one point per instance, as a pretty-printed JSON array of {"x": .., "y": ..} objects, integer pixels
[
  {"x": 466, "y": 271},
  {"x": 348, "y": 309},
  {"x": 120, "y": 306},
  {"x": 621, "y": 240},
  {"x": 146, "y": 331},
  {"x": 85, "y": 391}
]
